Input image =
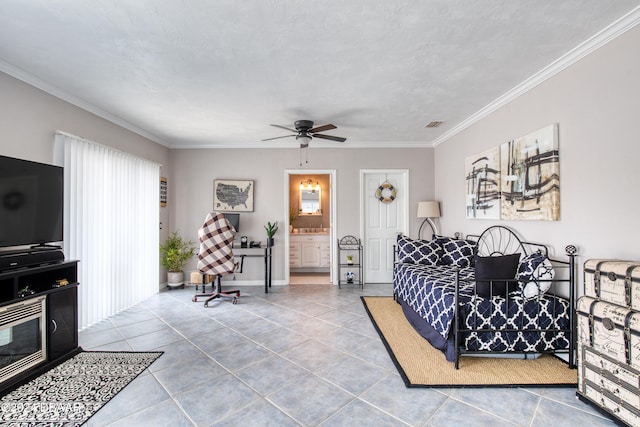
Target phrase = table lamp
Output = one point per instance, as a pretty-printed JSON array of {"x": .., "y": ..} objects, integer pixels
[{"x": 428, "y": 210}]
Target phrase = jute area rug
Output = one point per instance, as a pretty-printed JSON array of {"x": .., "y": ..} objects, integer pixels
[
  {"x": 70, "y": 393},
  {"x": 421, "y": 365}
]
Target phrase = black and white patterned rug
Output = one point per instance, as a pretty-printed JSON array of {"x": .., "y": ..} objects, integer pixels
[{"x": 70, "y": 393}]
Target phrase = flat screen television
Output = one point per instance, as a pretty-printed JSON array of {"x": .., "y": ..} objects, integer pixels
[
  {"x": 234, "y": 219},
  {"x": 31, "y": 202}
]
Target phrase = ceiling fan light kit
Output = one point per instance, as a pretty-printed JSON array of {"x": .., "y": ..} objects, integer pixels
[{"x": 304, "y": 140}]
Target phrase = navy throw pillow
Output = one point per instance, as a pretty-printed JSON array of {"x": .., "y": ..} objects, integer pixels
[
  {"x": 457, "y": 252},
  {"x": 423, "y": 252},
  {"x": 496, "y": 267}
]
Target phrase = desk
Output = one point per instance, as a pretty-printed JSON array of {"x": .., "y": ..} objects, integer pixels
[{"x": 262, "y": 252}]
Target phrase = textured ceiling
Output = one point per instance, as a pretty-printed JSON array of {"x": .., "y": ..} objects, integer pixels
[{"x": 204, "y": 73}]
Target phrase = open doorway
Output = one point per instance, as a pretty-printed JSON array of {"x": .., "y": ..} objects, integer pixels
[{"x": 310, "y": 207}]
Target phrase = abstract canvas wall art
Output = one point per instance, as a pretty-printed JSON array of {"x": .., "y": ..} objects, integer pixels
[
  {"x": 482, "y": 179},
  {"x": 530, "y": 168}
]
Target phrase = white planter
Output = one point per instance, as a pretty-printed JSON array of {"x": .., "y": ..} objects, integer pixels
[{"x": 175, "y": 279}]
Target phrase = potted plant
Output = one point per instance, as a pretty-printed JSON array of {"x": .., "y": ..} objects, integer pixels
[
  {"x": 349, "y": 259},
  {"x": 292, "y": 216},
  {"x": 174, "y": 254},
  {"x": 271, "y": 231}
]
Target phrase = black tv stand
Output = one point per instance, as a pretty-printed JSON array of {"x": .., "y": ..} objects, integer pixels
[{"x": 58, "y": 283}]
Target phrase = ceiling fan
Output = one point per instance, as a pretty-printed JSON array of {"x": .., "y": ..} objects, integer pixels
[{"x": 304, "y": 132}]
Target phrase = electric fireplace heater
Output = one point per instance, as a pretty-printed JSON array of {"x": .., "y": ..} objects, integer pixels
[{"x": 22, "y": 336}]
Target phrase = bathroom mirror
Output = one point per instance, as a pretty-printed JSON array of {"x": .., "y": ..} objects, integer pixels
[{"x": 310, "y": 201}]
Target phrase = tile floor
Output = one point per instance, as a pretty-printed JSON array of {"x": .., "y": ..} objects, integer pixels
[{"x": 303, "y": 355}]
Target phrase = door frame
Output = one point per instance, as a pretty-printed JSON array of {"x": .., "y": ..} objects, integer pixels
[
  {"x": 333, "y": 218},
  {"x": 363, "y": 221}
]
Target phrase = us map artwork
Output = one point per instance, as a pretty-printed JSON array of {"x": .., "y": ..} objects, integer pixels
[
  {"x": 520, "y": 180},
  {"x": 233, "y": 196}
]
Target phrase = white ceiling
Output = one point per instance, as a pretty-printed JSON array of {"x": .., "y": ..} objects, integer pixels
[{"x": 204, "y": 73}]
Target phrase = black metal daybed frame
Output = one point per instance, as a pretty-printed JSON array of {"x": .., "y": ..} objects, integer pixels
[{"x": 498, "y": 241}]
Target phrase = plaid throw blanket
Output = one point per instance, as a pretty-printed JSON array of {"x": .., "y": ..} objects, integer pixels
[{"x": 216, "y": 239}]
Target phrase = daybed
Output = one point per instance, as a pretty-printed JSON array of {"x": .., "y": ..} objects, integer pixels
[{"x": 511, "y": 297}]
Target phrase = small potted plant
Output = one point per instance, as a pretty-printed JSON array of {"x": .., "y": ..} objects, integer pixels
[
  {"x": 174, "y": 254},
  {"x": 271, "y": 231},
  {"x": 292, "y": 216},
  {"x": 349, "y": 259}
]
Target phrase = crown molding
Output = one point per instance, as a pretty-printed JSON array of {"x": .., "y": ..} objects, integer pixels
[
  {"x": 592, "y": 44},
  {"x": 38, "y": 83},
  {"x": 313, "y": 145}
]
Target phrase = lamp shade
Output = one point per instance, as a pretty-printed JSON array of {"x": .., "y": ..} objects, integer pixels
[{"x": 430, "y": 209}]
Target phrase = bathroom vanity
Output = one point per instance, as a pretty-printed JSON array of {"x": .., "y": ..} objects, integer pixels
[{"x": 309, "y": 251}]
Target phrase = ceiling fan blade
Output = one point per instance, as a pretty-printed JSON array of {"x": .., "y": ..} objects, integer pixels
[
  {"x": 329, "y": 137},
  {"x": 322, "y": 128},
  {"x": 278, "y": 137},
  {"x": 285, "y": 128}
]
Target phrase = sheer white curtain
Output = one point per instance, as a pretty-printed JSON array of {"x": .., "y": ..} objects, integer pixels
[{"x": 111, "y": 225}]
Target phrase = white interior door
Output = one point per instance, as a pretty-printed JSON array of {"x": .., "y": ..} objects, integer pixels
[{"x": 382, "y": 222}]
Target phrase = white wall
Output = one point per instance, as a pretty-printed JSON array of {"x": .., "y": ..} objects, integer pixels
[
  {"x": 596, "y": 104},
  {"x": 29, "y": 118},
  {"x": 194, "y": 171}
]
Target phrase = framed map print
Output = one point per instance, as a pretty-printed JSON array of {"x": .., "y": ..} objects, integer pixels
[{"x": 232, "y": 195}]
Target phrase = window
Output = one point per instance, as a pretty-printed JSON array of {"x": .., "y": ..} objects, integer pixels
[{"x": 111, "y": 218}]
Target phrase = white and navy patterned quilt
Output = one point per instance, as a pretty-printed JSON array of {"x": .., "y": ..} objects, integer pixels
[
  {"x": 517, "y": 324},
  {"x": 430, "y": 292}
]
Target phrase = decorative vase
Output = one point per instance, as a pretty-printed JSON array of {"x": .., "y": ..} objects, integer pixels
[
  {"x": 175, "y": 279},
  {"x": 350, "y": 275}
]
